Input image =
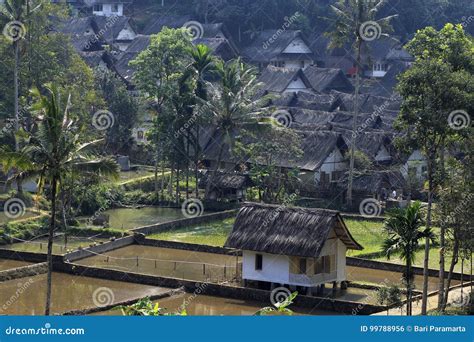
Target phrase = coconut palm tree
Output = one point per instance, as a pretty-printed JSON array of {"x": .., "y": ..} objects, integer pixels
[
  {"x": 232, "y": 104},
  {"x": 203, "y": 65},
  {"x": 16, "y": 12},
  {"x": 405, "y": 231},
  {"x": 53, "y": 151},
  {"x": 356, "y": 23}
]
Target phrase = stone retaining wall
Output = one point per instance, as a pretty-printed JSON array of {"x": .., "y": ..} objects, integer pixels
[
  {"x": 399, "y": 268},
  {"x": 188, "y": 246},
  {"x": 173, "y": 225},
  {"x": 99, "y": 249},
  {"x": 23, "y": 272}
]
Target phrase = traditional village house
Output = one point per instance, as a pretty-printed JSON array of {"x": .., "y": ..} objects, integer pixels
[
  {"x": 288, "y": 246},
  {"x": 311, "y": 79},
  {"x": 415, "y": 166},
  {"x": 117, "y": 32},
  {"x": 229, "y": 186},
  {"x": 108, "y": 8},
  {"x": 287, "y": 48}
]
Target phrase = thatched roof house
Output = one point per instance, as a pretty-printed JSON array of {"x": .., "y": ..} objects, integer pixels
[
  {"x": 226, "y": 185},
  {"x": 281, "y": 48},
  {"x": 310, "y": 79},
  {"x": 291, "y": 245}
]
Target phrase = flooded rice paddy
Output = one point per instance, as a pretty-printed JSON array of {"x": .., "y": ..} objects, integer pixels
[
  {"x": 387, "y": 278},
  {"x": 6, "y": 264},
  {"x": 196, "y": 266},
  {"x": 217, "y": 306},
  {"x": 26, "y": 296},
  {"x": 129, "y": 218},
  {"x": 60, "y": 247}
]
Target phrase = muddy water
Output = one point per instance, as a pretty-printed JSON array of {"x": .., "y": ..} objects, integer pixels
[
  {"x": 167, "y": 262},
  {"x": 217, "y": 306},
  {"x": 388, "y": 278},
  {"x": 59, "y": 247},
  {"x": 6, "y": 264},
  {"x": 125, "y": 218},
  {"x": 27, "y": 296}
]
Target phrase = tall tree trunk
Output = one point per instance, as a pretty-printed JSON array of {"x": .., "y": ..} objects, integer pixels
[
  {"x": 196, "y": 159},
  {"x": 354, "y": 124},
  {"x": 408, "y": 282},
  {"x": 424, "y": 300},
  {"x": 442, "y": 241},
  {"x": 177, "y": 183},
  {"x": 16, "y": 48},
  {"x": 52, "y": 228},
  {"x": 210, "y": 179},
  {"x": 454, "y": 261},
  {"x": 187, "y": 165}
]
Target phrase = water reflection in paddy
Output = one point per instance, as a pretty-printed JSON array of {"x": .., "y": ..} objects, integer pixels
[
  {"x": 27, "y": 296},
  {"x": 127, "y": 218},
  {"x": 387, "y": 278},
  {"x": 6, "y": 264},
  {"x": 60, "y": 247},
  {"x": 217, "y": 306},
  {"x": 167, "y": 262}
]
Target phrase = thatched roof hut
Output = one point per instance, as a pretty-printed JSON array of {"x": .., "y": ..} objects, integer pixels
[{"x": 290, "y": 231}]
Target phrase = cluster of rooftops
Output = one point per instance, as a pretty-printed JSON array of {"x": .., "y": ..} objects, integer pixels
[{"x": 313, "y": 85}]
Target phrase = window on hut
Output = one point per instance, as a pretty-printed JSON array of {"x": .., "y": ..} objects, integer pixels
[
  {"x": 258, "y": 262},
  {"x": 302, "y": 266}
]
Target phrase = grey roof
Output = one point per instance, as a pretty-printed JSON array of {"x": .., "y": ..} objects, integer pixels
[
  {"x": 277, "y": 79},
  {"x": 220, "y": 47},
  {"x": 226, "y": 180},
  {"x": 324, "y": 80},
  {"x": 319, "y": 80},
  {"x": 122, "y": 66},
  {"x": 82, "y": 32},
  {"x": 374, "y": 181},
  {"x": 110, "y": 27},
  {"x": 289, "y": 231},
  {"x": 171, "y": 21},
  {"x": 269, "y": 45}
]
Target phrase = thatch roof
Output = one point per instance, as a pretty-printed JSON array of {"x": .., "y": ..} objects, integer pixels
[
  {"x": 374, "y": 181},
  {"x": 323, "y": 80},
  {"x": 220, "y": 47},
  {"x": 317, "y": 80},
  {"x": 226, "y": 180},
  {"x": 170, "y": 21},
  {"x": 289, "y": 231},
  {"x": 277, "y": 79},
  {"x": 269, "y": 45},
  {"x": 110, "y": 27}
]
